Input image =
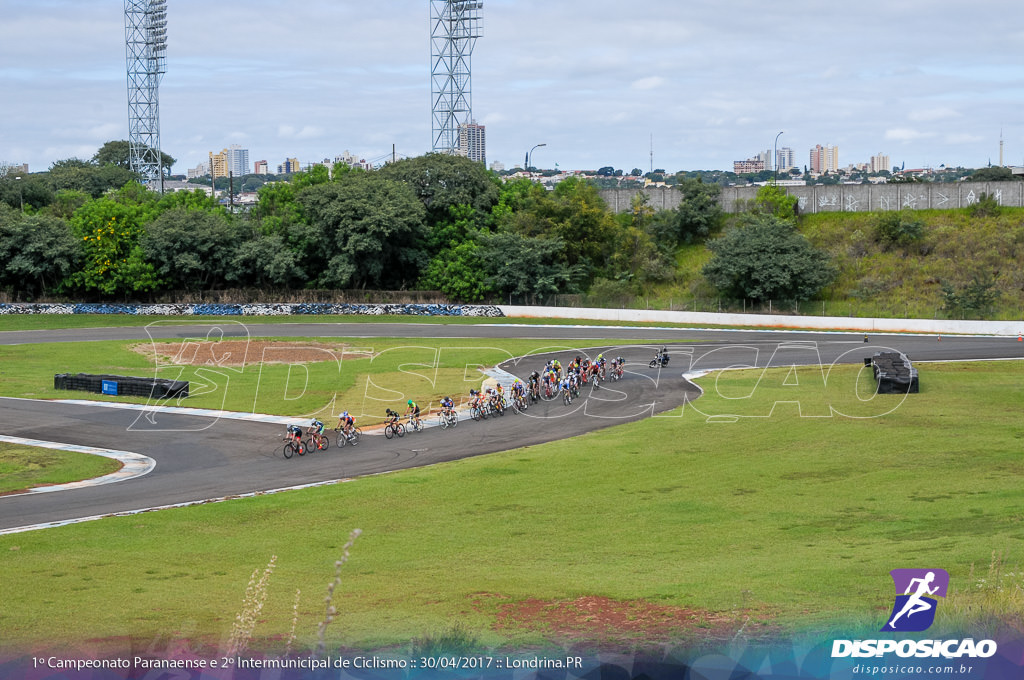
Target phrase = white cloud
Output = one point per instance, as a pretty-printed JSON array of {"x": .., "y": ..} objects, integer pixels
[
  {"x": 933, "y": 114},
  {"x": 906, "y": 135},
  {"x": 649, "y": 83}
]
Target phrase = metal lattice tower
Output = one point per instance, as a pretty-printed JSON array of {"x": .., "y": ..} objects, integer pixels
[
  {"x": 455, "y": 26},
  {"x": 145, "y": 28}
]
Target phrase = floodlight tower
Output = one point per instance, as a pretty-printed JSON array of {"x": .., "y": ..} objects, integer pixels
[
  {"x": 455, "y": 26},
  {"x": 145, "y": 28}
]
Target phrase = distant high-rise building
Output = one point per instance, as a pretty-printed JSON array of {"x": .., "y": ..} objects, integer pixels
[
  {"x": 260, "y": 167},
  {"x": 785, "y": 159},
  {"x": 473, "y": 142},
  {"x": 238, "y": 160},
  {"x": 291, "y": 165},
  {"x": 880, "y": 163},
  {"x": 219, "y": 164},
  {"x": 201, "y": 170},
  {"x": 824, "y": 159}
]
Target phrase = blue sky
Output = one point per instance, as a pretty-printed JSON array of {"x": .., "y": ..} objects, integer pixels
[{"x": 927, "y": 83}]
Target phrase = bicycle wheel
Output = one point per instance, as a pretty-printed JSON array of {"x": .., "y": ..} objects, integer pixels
[
  {"x": 300, "y": 448},
  {"x": 325, "y": 443},
  {"x": 289, "y": 450},
  {"x": 442, "y": 421},
  {"x": 354, "y": 437},
  {"x": 390, "y": 431},
  {"x": 340, "y": 441}
]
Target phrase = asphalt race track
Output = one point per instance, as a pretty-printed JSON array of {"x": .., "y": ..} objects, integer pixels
[{"x": 200, "y": 458}]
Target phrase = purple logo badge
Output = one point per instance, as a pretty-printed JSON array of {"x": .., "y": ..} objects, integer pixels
[{"x": 914, "y": 609}]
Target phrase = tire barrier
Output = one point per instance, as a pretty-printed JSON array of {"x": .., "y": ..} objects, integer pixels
[
  {"x": 307, "y": 308},
  {"x": 894, "y": 373},
  {"x": 153, "y": 388}
]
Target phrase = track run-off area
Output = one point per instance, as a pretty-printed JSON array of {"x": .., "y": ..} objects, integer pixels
[{"x": 208, "y": 456}]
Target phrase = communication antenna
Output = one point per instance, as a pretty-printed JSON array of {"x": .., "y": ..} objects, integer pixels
[
  {"x": 145, "y": 29},
  {"x": 455, "y": 27}
]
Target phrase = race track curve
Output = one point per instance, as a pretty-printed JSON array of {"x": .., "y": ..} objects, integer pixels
[{"x": 201, "y": 458}]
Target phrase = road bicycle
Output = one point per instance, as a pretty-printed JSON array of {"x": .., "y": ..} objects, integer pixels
[
  {"x": 448, "y": 418},
  {"x": 478, "y": 411},
  {"x": 394, "y": 428},
  {"x": 414, "y": 425},
  {"x": 566, "y": 397},
  {"x": 350, "y": 438},
  {"x": 293, "y": 446},
  {"x": 318, "y": 442}
]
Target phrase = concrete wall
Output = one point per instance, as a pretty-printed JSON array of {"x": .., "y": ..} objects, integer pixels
[
  {"x": 844, "y": 197},
  {"x": 776, "y": 321}
]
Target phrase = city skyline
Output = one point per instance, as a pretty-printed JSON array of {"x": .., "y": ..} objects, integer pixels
[{"x": 931, "y": 83}]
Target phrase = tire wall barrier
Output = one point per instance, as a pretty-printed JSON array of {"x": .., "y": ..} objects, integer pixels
[
  {"x": 153, "y": 388},
  {"x": 894, "y": 373},
  {"x": 309, "y": 308}
]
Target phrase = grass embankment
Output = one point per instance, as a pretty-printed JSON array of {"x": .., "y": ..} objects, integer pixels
[
  {"x": 878, "y": 278},
  {"x": 26, "y": 467},
  {"x": 793, "y": 521}
]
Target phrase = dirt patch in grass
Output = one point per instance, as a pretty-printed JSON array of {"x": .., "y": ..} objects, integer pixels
[
  {"x": 604, "y": 623},
  {"x": 246, "y": 352}
]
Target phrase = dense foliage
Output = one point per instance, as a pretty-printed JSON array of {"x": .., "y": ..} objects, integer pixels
[{"x": 85, "y": 230}]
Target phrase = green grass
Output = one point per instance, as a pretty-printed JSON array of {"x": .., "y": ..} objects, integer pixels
[
  {"x": 793, "y": 520},
  {"x": 400, "y": 369},
  {"x": 26, "y": 467}
]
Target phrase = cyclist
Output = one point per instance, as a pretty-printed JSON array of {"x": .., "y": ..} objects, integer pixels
[
  {"x": 447, "y": 404},
  {"x": 393, "y": 417},
  {"x": 346, "y": 423},
  {"x": 316, "y": 430},
  {"x": 294, "y": 432},
  {"x": 414, "y": 412}
]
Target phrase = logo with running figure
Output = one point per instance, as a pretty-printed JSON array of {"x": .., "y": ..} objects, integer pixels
[{"x": 914, "y": 610}]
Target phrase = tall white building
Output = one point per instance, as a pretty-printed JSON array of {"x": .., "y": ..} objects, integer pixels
[
  {"x": 473, "y": 142},
  {"x": 880, "y": 163},
  {"x": 237, "y": 160},
  {"x": 824, "y": 159},
  {"x": 785, "y": 159}
]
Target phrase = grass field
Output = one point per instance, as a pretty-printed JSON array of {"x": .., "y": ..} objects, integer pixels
[
  {"x": 394, "y": 369},
  {"x": 26, "y": 467},
  {"x": 760, "y": 517}
]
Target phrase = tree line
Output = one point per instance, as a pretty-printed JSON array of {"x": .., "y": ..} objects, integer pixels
[{"x": 87, "y": 230}]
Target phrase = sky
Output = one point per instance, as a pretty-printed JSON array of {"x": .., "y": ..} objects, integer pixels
[{"x": 599, "y": 82}]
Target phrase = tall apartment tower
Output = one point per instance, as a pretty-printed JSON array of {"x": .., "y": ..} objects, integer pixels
[
  {"x": 880, "y": 163},
  {"x": 785, "y": 159},
  {"x": 824, "y": 159},
  {"x": 455, "y": 27},
  {"x": 238, "y": 160},
  {"x": 145, "y": 30},
  {"x": 473, "y": 142}
]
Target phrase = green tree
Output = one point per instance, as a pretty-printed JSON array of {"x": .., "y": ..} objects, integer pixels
[
  {"x": 527, "y": 268},
  {"x": 38, "y": 252},
  {"x": 772, "y": 199},
  {"x": 109, "y": 231},
  {"x": 973, "y": 298},
  {"x": 95, "y": 180},
  {"x": 265, "y": 260},
  {"x": 190, "y": 249},
  {"x": 995, "y": 174},
  {"x": 766, "y": 258},
  {"x": 459, "y": 272},
  {"x": 899, "y": 229},
  {"x": 372, "y": 228},
  {"x": 118, "y": 152},
  {"x": 442, "y": 180}
]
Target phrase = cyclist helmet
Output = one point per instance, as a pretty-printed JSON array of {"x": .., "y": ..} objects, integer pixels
[
  {"x": 345, "y": 414},
  {"x": 409, "y": 402}
]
